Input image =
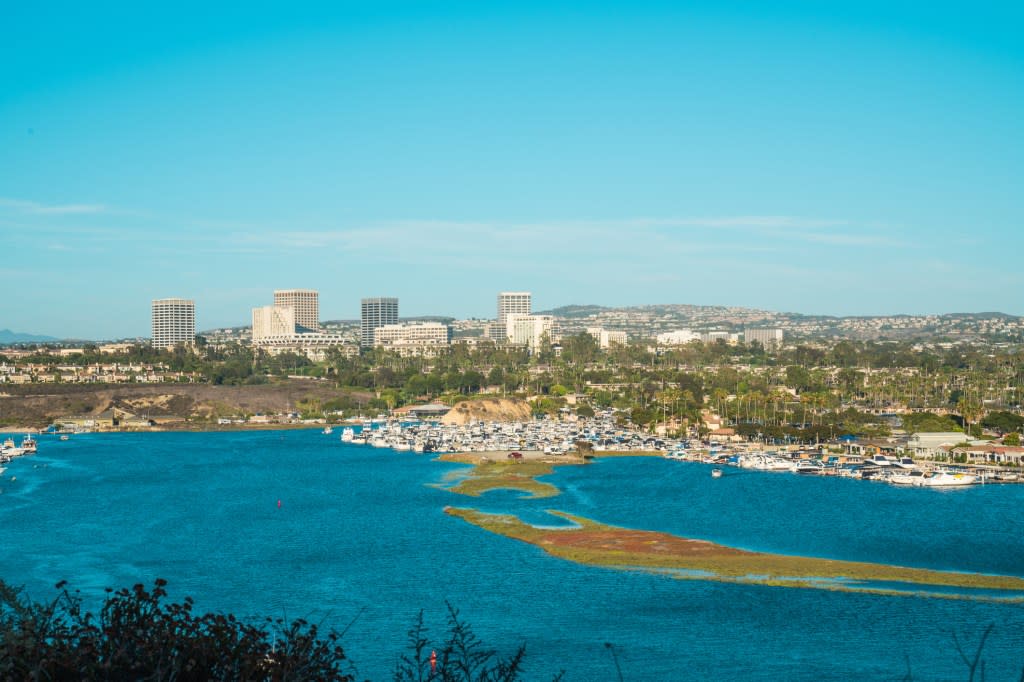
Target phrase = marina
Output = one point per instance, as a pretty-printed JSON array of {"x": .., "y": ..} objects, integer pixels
[{"x": 549, "y": 438}]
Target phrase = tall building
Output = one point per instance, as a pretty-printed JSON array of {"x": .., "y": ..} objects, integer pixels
[
  {"x": 376, "y": 312},
  {"x": 174, "y": 322},
  {"x": 272, "y": 321},
  {"x": 306, "y": 304},
  {"x": 512, "y": 303},
  {"x": 531, "y": 330}
]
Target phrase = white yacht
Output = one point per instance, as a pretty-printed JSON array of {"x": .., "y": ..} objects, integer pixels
[
  {"x": 807, "y": 466},
  {"x": 347, "y": 434},
  {"x": 948, "y": 479},
  {"x": 328, "y": 430},
  {"x": 915, "y": 477}
]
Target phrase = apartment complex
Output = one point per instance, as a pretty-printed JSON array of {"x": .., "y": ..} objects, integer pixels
[
  {"x": 305, "y": 303},
  {"x": 424, "y": 338},
  {"x": 174, "y": 322},
  {"x": 376, "y": 312}
]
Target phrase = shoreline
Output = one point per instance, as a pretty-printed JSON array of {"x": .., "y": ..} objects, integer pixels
[{"x": 189, "y": 428}]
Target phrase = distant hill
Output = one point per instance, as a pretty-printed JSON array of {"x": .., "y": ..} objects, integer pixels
[
  {"x": 577, "y": 310},
  {"x": 7, "y": 336}
]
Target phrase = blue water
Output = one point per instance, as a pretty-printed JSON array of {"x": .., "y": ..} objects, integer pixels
[{"x": 361, "y": 534}]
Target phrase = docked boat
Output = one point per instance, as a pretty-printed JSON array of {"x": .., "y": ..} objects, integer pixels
[
  {"x": 808, "y": 466},
  {"x": 948, "y": 479},
  {"x": 347, "y": 435},
  {"x": 915, "y": 477}
]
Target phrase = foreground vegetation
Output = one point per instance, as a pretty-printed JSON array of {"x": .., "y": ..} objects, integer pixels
[{"x": 138, "y": 635}]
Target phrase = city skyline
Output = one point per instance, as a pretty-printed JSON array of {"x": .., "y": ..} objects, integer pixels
[{"x": 849, "y": 159}]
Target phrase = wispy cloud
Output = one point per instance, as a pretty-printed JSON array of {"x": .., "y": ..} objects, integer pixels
[
  {"x": 701, "y": 235},
  {"x": 35, "y": 208}
]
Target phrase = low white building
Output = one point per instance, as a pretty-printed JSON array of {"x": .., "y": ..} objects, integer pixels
[
  {"x": 936, "y": 443},
  {"x": 678, "y": 338},
  {"x": 606, "y": 337},
  {"x": 422, "y": 338},
  {"x": 769, "y": 338}
]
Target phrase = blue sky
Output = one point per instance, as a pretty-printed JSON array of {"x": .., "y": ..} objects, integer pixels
[{"x": 835, "y": 158}]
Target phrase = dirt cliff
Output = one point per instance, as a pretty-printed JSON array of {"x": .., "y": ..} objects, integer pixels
[
  {"x": 37, "y": 405},
  {"x": 488, "y": 410}
]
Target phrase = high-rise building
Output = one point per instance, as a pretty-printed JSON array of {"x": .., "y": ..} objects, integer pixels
[
  {"x": 376, "y": 312},
  {"x": 531, "y": 330},
  {"x": 174, "y": 322},
  {"x": 272, "y": 322},
  {"x": 512, "y": 303},
  {"x": 306, "y": 304}
]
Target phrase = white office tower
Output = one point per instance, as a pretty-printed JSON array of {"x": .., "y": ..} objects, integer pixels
[
  {"x": 512, "y": 303},
  {"x": 376, "y": 312},
  {"x": 531, "y": 330},
  {"x": 306, "y": 304},
  {"x": 174, "y": 322},
  {"x": 272, "y": 322}
]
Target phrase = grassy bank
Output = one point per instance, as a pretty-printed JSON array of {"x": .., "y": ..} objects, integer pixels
[
  {"x": 598, "y": 544},
  {"x": 502, "y": 475}
]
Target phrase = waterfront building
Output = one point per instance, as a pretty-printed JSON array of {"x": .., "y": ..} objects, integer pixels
[
  {"x": 305, "y": 303},
  {"x": 606, "y": 337},
  {"x": 173, "y": 322},
  {"x": 769, "y": 338},
  {"x": 512, "y": 303},
  {"x": 531, "y": 330},
  {"x": 424, "y": 338},
  {"x": 376, "y": 312}
]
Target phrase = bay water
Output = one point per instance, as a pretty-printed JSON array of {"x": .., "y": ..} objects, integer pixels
[{"x": 360, "y": 540}]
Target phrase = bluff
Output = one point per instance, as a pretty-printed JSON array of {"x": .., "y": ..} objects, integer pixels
[{"x": 488, "y": 410}]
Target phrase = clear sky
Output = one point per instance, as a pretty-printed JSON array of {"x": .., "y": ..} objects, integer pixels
[{"x": 817, "y": 157}]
